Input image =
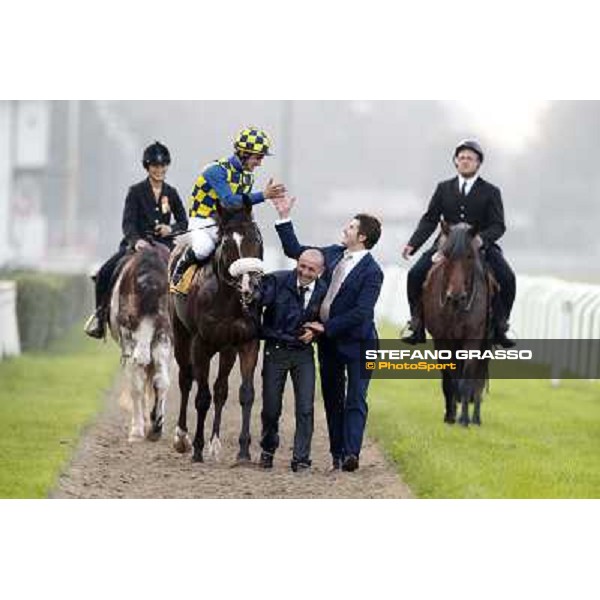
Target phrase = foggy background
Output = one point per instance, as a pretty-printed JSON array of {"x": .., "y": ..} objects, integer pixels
[{"x": 65, "y": 168}]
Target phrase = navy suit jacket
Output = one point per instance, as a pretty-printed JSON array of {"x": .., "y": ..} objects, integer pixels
[
  {"x": 351, "y": 315},
  {"x": 284, "y": 314}
]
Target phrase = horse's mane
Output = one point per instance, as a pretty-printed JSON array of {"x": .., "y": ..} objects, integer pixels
[
  {"x": 150, "y": 279},
  {"x": 239, "y": 221},
  {"x": 459, "y": 243}
]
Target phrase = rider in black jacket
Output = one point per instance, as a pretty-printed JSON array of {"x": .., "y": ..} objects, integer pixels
[
  {"x": 470, "y": 199},
  {"x": 150, "y": 207}
]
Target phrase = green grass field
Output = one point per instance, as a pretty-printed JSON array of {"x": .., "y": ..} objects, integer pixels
[
  {"x": 535, "y": 441},
  {"x": 46, "y": 398}
]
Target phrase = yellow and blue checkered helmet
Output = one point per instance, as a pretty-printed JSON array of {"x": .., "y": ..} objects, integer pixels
[{"x": 253, "y": 141}]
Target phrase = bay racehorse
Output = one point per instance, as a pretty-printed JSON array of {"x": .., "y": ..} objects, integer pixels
[
  {"x": 219, "y": 316},
  {"x": 457, "y": 312},
  {"x": 139, "y": 322}
]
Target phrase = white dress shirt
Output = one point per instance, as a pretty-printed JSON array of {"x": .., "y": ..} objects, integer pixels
[
  {"x": 309, "y": 291},
  {"x": 470, "y": 182},
  {"x": 348, "y": 261}
]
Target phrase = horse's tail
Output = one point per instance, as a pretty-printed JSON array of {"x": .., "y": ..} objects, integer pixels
[{"x": 151, "y": 282}]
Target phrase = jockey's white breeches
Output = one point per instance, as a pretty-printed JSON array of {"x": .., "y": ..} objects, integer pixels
[{"x": 204, "y": 235}]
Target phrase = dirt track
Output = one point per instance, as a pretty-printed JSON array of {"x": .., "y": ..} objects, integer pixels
[{"x": 105, "y": 465}]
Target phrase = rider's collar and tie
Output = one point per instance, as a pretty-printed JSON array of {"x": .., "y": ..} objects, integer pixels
[{"x": 466, "y": 185}]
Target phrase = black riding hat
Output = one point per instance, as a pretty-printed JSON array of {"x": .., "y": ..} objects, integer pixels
[
  {"x": 469, "y": 145},
  {"x": 156, "y": 154}
]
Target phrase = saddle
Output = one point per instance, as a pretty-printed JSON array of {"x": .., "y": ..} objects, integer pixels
[{"x": 183, "y": 287}]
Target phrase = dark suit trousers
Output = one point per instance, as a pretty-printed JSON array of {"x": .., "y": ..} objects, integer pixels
[
  {"x": 300, "y": 364},
  {"x": 504, "y": 275},
  {"x": 345, "y": 398}
]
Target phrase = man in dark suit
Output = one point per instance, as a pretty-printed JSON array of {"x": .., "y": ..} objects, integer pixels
[
  {"x": 470, "y": 199},
  {"x": 150, "y": 207},
  {"x": 290, "y": 300},
  {"x": 347, "y": 314}
]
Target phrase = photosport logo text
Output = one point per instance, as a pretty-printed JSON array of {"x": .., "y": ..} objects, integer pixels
[{"x": 530, "y": 359}]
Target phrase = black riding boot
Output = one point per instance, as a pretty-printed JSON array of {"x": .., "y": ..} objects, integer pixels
[
  {"x": 500, "y": 334},
  {"x": 96, "y": 325},
  {"x": 186, "y": 259},
  {"x": 418, "y": 332}
]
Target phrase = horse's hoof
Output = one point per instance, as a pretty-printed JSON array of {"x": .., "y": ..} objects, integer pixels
[
  {"x": 243, "y": 460},
  {"x": 214, "y": 448},
  {"x": 476, "y": 422},
  {"x": 134, "y": 438},
  {"x": 450, "y": 420},
  {"x": 464, "y": 423},
  {"x": 154, "y": 434},
  {"x": 197, "y": 456},
  {"x": 181, "y": 441}
]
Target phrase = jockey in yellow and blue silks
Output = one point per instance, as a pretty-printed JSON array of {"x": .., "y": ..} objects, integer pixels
[{"x": 228, "y": 181}]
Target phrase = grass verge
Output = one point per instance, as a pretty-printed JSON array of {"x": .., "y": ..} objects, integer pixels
[
  {"x": 535, "y": 441},
  {"x": 46, "y": 398}
]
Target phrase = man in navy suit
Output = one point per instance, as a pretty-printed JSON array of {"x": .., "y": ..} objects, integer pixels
[
  {"x": 347, "y": 314},
  {"x": 290, "y": 300}
]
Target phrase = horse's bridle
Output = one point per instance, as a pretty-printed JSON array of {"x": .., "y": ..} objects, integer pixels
[
  {"x": 444, "y": 299},
  {"x": 234, "y": 282}
]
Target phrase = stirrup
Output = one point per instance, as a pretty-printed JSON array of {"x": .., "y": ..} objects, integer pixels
[{"x": 95, "y": 326}]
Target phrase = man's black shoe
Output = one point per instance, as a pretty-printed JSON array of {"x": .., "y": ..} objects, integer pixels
[
  {"x": 266, "y": 460},
  {"x": 350, "y": 463},
  {"x": 336, "y": 464},
  {"x": 300, "y": 465}
]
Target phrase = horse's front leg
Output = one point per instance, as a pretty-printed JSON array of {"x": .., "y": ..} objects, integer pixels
[
  {"x": 448, "y": 387},
  {"x": 136, "y": 377},
  {"x": 221, "y": 389},
  {"x": 248, "y": 359},
  {"x": 201, "y": 369},
  {"x": 182, "y": 348},
  {"x": 161, "y": 358},
  {"x": 464, "y": 393},
  {"x": 476, "y": 420}
]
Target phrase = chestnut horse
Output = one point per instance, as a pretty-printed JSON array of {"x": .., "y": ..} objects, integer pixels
[
  {"x": 457, "y": 312},
  {"x": 220, "y": 315},
  {"x": 139, "y": 323}
]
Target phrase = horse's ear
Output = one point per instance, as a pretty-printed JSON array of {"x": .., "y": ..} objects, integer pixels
[
  {"x": 445, "y": 227},
  {"x": 474, "y": 229},
  {"x": 219, "y": 209}
]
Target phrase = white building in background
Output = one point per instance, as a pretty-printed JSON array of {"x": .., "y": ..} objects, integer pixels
[
  {"x": 5, "y": 179},
  {"x": 24, "y": 143}
]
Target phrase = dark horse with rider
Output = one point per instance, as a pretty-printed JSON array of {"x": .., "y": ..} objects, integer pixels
[{"x": 462, "y": 289}]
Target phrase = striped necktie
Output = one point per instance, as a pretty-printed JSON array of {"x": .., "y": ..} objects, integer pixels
[{"x": 337, "y": 278}]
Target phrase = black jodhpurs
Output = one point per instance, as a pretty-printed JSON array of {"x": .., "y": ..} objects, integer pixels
[{"x": 105, "y": 276}]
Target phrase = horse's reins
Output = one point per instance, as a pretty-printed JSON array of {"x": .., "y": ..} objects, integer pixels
[{"x": 224, "y": 276}]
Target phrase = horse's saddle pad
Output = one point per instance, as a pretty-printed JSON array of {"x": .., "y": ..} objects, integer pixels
[{"x": 183, "y": 287}]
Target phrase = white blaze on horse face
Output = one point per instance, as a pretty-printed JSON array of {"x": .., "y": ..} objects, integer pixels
[
  {"x": 237, "y": 238},
  {"x": 246, "y": 283}
]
